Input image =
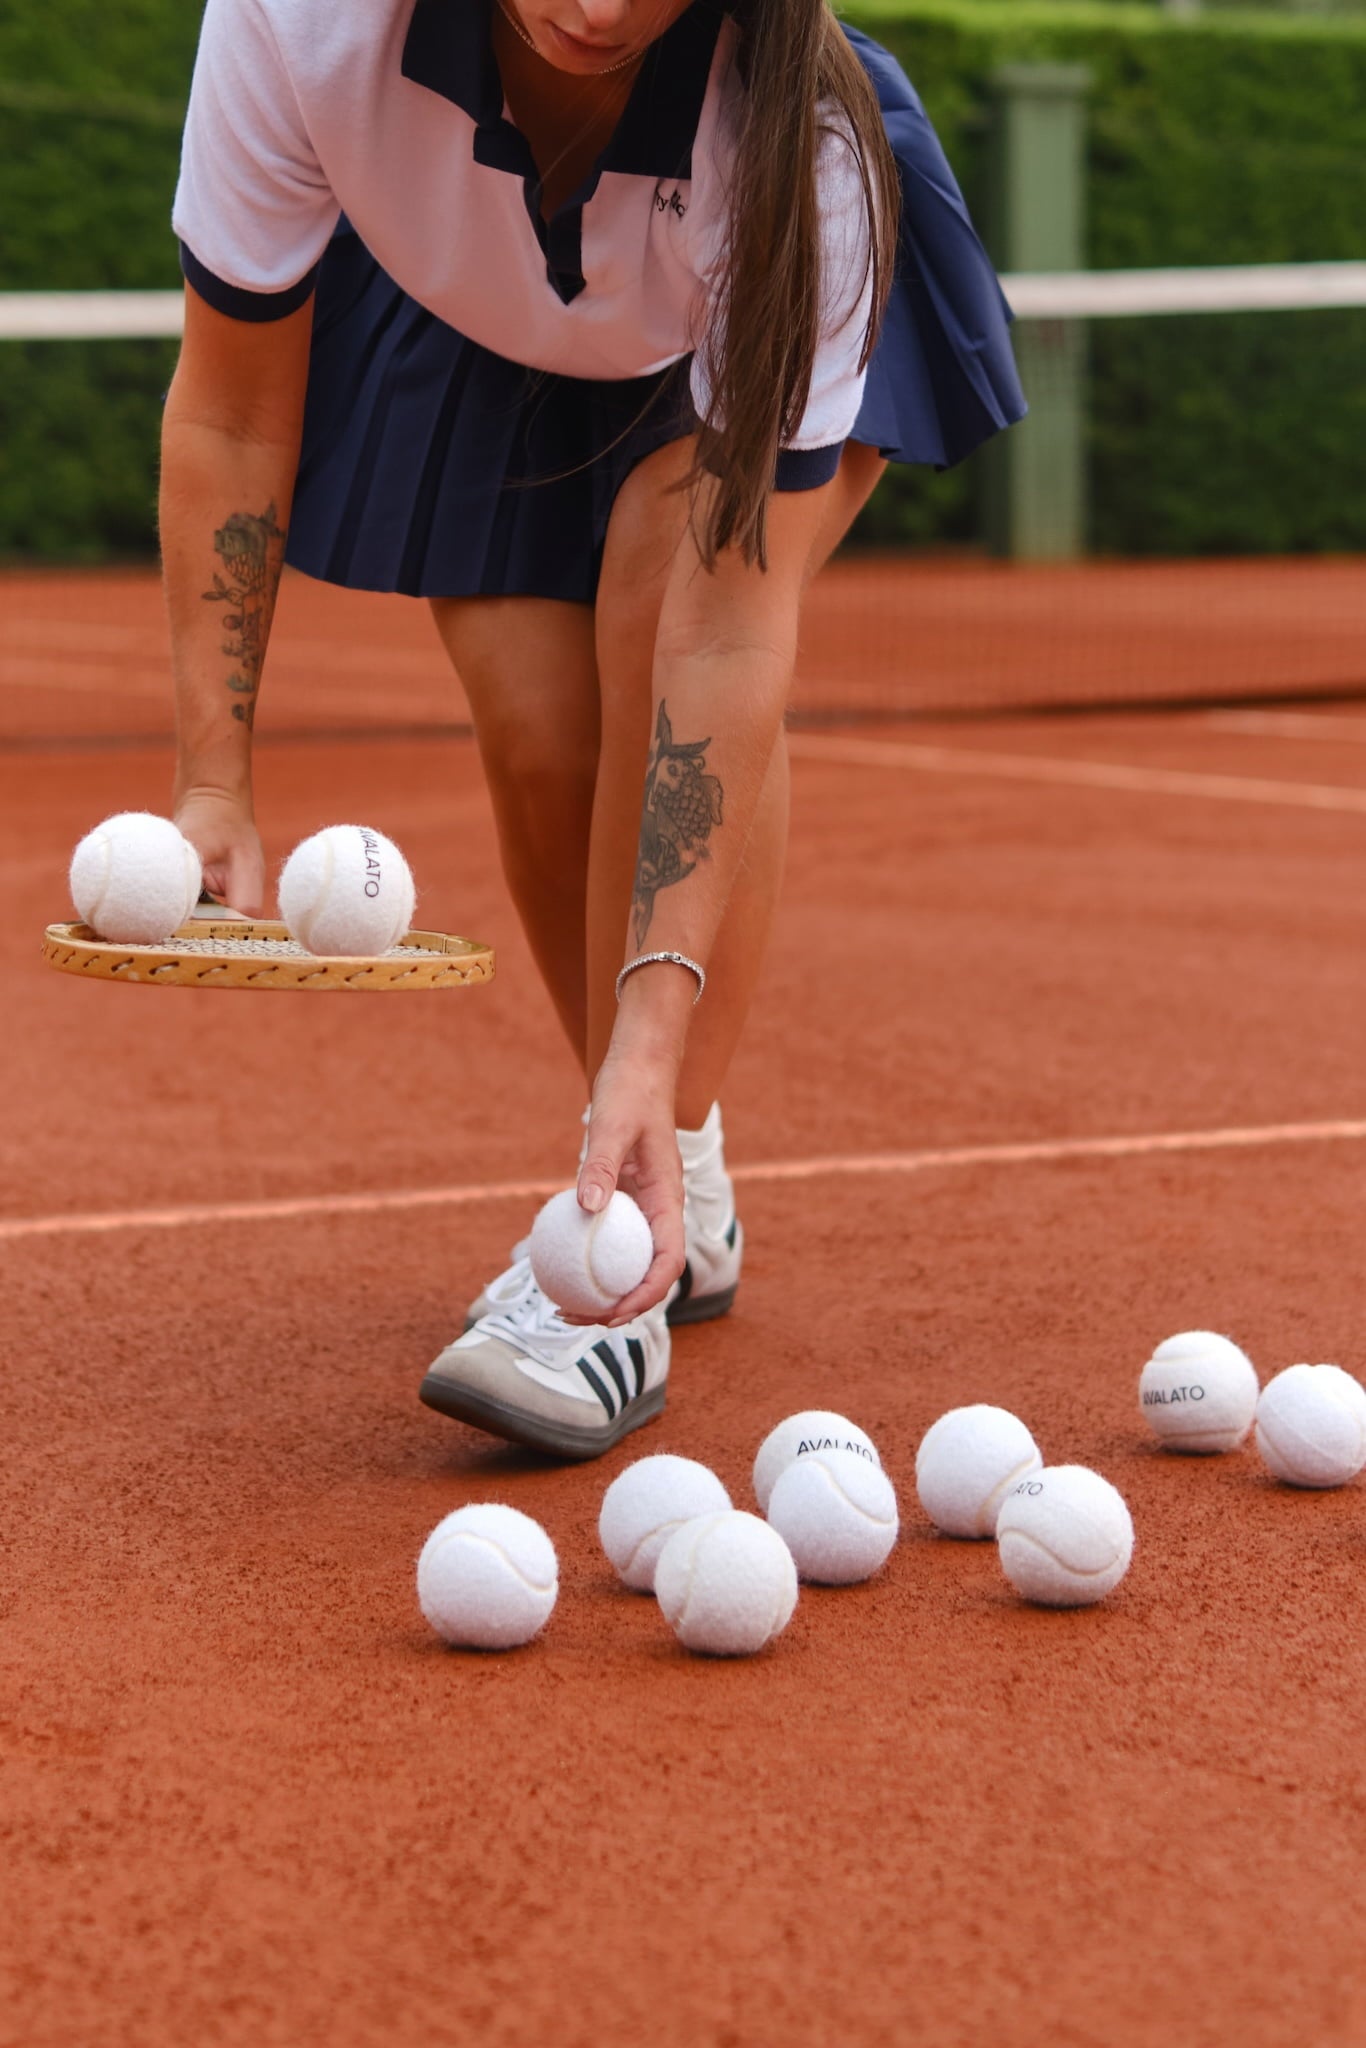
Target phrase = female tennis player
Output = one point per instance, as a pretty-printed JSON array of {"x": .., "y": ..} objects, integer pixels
[{"x": 594, "y": 323}]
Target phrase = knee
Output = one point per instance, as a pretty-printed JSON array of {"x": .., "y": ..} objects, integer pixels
[{"x": 534, "y": 760}]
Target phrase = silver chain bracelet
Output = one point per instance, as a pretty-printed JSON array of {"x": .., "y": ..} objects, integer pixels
[{"x": 677, "y": 960}]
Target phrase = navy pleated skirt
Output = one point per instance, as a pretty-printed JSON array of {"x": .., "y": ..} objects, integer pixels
[{"x": 434, "y": 467}]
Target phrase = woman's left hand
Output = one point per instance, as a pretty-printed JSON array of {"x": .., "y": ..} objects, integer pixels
[{"x": 633, "y": 1144}]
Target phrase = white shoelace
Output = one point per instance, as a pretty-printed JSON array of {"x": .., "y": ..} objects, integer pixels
[{"x": 527, "y": 1317}]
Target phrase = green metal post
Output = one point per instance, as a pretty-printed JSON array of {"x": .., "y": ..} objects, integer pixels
[{"x": 1036, "y": 473}]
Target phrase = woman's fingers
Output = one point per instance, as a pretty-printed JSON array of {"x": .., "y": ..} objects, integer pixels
[
  {"x": 246, "y": 880},
  {"x": 599, "y": 1173},
  {"x": 639, "y": 1152}
]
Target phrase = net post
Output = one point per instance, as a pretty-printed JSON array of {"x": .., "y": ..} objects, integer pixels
[{"x": 1035, "y": 476}]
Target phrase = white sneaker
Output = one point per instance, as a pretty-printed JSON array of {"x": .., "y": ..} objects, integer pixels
[
  {"x": 713, "y": 1239},
  {"x": 523, "y": 1373}
]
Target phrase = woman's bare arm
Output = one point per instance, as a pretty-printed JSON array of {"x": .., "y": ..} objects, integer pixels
[
  {"x": 229, "y": 451},
  {"x": 724, "y": 654}
]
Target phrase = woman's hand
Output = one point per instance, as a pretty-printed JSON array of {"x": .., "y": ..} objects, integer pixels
[
  {"x": 632, "y": 1144},
  {"x": 221, "y": 828}
]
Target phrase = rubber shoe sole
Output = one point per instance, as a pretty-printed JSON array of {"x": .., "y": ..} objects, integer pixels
[
  {"x": 687, "y": 1307},
  {"x": 557, "y": 1440}
]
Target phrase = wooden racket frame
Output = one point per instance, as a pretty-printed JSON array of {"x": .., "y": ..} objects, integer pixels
[{"x": 75, "y": 949}]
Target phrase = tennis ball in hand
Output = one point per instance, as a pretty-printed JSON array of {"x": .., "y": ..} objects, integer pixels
[
  {"x": 585, "y": 1263},
  {"x": 966, "y": 1465},
  {"x": 347, "y": 890},
  {"x": 836, "y": 1512},
  {"x": 1198, "y": 1392},
  {"x": 135, "y": 878},
  {"x": 1311, "y": 1425},
  {"x": 645, "y": 1504},
  {"x": 487, "y": 1577},
  {"x": 1064, "y": 1537},
  {"x": 814, "y": 1429},
  {"x": 726, "y": 1584}
]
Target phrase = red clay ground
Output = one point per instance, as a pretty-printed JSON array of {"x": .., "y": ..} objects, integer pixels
[{"x": 248, "y": 1800}]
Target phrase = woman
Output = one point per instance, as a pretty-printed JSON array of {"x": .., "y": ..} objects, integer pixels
[{"x": 577, "y": 317}]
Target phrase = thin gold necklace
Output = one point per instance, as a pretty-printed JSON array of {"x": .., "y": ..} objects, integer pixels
[{"x": 522, "y": 36}]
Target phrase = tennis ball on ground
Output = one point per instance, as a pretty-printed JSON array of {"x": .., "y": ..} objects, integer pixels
[
  {"x": 585, "y": 1263},
  {"x": 487, "y": 1577},
  {"x": 645, "y": 1504},
  {"x": 1064, "y": 1536},
  {"x": 1198, "y": 1392},
  {"x": 347, "y": 890},
  {"x": 966, "y": 1465},
  {"x": 836, "y": 1512},
  {"x": 815, "y": 1429},
  {"x": 135, "y": 878},
  {"x": 1311, "y": 1425},
  {"x": 726, "y": 1584}
]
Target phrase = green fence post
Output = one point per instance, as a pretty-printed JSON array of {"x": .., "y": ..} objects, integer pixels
[{"x": 1036, "y": 474}]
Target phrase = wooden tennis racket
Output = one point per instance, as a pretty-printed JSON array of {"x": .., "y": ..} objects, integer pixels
[{"x": 221, "y": 949}]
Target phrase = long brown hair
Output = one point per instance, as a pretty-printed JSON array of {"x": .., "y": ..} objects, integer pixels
[{"x": 793, "y": 57}]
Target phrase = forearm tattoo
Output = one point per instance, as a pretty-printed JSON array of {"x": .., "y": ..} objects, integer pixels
[
  {"x": 251, "y": 547},
  {"x": 682, "y": 804}
]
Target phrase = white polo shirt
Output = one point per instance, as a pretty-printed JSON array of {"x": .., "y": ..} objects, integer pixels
[{"x": 392, "y": 112}]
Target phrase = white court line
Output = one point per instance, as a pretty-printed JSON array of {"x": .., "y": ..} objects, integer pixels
[
  {"x": 1293, "y": 725},
  {"x": 843, "y": 1166},
  {"x": 1246, "y": 789}
]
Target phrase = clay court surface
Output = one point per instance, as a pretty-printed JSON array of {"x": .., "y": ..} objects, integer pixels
[{"x": 248, "y": 1799}]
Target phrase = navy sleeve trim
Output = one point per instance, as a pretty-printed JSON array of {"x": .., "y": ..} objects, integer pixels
[
  {"x": 806, "y": 469},
  {"x": 244, "y": 305}
]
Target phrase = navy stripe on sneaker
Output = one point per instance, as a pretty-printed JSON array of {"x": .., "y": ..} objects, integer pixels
[
  {"x": 636, "y": 1352},
  {"x": 598, "y": 1388},
  {"x": 730, "y": 1234},
  {"x": 609, "y": 1358}
]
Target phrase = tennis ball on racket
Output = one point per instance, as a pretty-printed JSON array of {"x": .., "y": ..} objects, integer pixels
[
  {"x": 585, "y": 1263},
  {"x": 135, "y": 878},
  {"x": 814, "y": 1429},
  {"x": 645, "y": 1504},
  {"x": 1311, "y": 1425},
  {"x": 1198, "y": 1392},
  {"x": 726, "y": 1584},
  {"x": 487, "y": 1577},
  {"x": 836, "y": 1512},
  {"x": 347, "y": 890},
  {"x": 966, "y": 1465},
  {"x": 1064, "y": 1537}
]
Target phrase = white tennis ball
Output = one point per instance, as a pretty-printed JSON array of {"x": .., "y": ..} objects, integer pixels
[
  {"x": 1311, "y": 1425},
  {"x": 487, "y": 1577},
  {"x": 347, "y": 890},
  {"x": 1198, "y": 1392},
  {"x": 836, "y": 1513},
  {"x": 726, "y": 1584},
  {"x": 815, "y": 1429},
  {"x": 135, "y": 878},
  {"x": 1064, "y": 1536},
  {"x": 585, "y": 1263},
  {"x": 646, "y": 1503},
  {"x": 966, "y": 1465}
]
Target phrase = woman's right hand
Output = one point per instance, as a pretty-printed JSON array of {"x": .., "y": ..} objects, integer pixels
[{"x": 222, "y": 829}]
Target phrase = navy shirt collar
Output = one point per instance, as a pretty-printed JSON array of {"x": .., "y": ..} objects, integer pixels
[{"x": 449, "y": 49}]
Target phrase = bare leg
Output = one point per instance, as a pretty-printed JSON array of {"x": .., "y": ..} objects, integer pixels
[
  {"x": 530, "y": 673},
  {"x": 647, "y": 524}
]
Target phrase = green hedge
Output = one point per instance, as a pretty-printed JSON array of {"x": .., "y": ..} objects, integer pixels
[
  {"x": 1232, "y": 138},
  {"x": 1235, "y": 137}
]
